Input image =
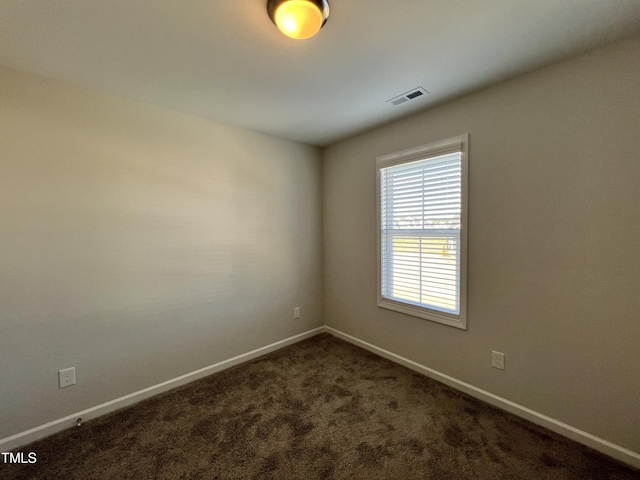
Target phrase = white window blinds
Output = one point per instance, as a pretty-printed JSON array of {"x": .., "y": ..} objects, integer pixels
[{"x": 421, "y": 216}]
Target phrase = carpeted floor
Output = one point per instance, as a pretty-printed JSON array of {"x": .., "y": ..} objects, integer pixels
[{"x": 320, "y": 409}]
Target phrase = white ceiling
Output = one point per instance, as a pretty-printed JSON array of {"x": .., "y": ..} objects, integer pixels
[{"x": 224, "y": 60}]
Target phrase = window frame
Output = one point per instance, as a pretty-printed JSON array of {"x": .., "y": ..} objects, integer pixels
[{"x": 460, "y": 144}]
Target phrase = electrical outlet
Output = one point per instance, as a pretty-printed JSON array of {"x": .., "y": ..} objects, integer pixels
[
  {"x": 296, "y": 312},
  {"x": 67, "y": 377},
  {"x": 497, "y": 360}
]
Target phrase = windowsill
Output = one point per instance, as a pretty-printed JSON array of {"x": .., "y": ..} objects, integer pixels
[{"x": 424, "y": 313}]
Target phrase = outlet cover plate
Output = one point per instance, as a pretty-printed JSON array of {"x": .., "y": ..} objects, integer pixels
[
  {"x": 67, "y": 377},
  {"x": 497, "y": 360}
]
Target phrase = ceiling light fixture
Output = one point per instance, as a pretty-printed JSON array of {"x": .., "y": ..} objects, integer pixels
[{"x": 298, "y": 19}]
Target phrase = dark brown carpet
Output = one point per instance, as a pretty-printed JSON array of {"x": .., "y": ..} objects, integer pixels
[{"x": 318, "y": 409}]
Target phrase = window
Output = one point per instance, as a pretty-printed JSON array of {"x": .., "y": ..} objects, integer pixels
[{"x": 422, "y": 231}]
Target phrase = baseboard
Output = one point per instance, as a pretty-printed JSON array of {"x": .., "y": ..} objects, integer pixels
[
  {"x": 23, "y": 438},
  {"x": 599, "y": 444},
  {"x": 604, "y": 446}
]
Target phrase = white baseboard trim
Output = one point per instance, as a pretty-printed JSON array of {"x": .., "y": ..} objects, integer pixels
[
  {"x": 604, "y": 446},
  {"x": 23, "y": 438}
]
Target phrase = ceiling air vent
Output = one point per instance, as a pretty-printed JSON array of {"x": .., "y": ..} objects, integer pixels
[{"x": 405, "y": 97}]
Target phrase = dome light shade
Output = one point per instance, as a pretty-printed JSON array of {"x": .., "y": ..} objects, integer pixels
[{"x": 298, "y": 19}]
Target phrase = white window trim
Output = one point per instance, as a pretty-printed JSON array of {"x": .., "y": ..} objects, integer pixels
[{"x": 459, "y": 143}]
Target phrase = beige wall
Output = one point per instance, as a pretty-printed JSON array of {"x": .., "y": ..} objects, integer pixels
[
  {"x": 137, "y": 245},
  {"x": 554, "y": 242}
]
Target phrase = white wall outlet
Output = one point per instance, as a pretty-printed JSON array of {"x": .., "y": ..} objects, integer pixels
[
  {"x": 497, "y": 360},
  {"x": 67, "y": 377},
  {"x": 296, "y": 312}
]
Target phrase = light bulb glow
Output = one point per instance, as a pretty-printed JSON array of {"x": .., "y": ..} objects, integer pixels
[{"x": 298, "y": 18}]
